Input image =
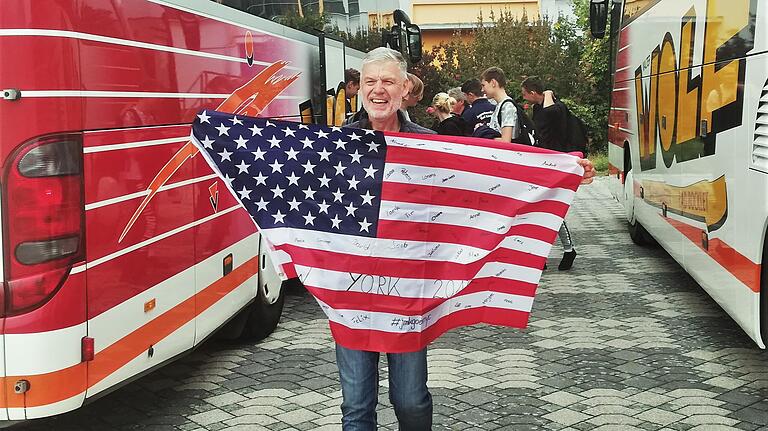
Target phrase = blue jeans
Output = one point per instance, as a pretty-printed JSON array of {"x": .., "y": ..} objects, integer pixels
[{"x": 359, "y": 374}]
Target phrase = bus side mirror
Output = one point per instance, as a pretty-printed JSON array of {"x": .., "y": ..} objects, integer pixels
[
  {"x": 598, "y": 17},
  {"x": 413, "y": 36}
]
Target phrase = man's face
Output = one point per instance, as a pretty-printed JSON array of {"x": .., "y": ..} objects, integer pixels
[
  {"x": 489, "y": 87},
  {"x": 351, "y": 89},
  {"x": 383, "y": 88},
  {"x": 458, "y": 107},
  {"x": 530, "y": 96}
]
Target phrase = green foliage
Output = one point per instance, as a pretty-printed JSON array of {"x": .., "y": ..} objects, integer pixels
[
  {"x": 561, "y": 52},
  {"x": 600, "y": 161},
  {"x": 310, "y": 22}
]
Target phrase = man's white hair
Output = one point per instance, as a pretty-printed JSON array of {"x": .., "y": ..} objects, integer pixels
[{"x": 383, "y": 54}]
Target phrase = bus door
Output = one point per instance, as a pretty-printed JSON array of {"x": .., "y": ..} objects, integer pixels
[{"x": 139, "y": 215}]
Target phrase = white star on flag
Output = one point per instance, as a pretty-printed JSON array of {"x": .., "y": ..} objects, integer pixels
[
  {"x": 309, "y": 193},
  {"x": 276, "y": 167},
  {"x": 223, "y": 130},
  {"x": 336, "y": 221},
  {"x": 307, "y": 142},
  {"x": 340, "y": 145},
  {"x": 367, "y": 198},
  {"x": 354, "y": 137},
  {"x": 274, "y": 142},
  {"x": 321, "y": 134},
  {"x": 207, "y": 143},
  {"x": 323, "y": 207},
  {"x": 353, "y": 183},
  {"x": 279, "y": 217},
  {"x": 337, "y": 195},
  {"x": 309, "y": 168},
  {"x": 244, "y": 193},
  {"x": 324, "y": 181},
  {"x": 260, "y": 179},
  {"x": 372, "y": 146},
  {"x": 288, "y": 132},
  {"x": 339, "y": 169},
  {"x": 356, "y": 157},
  {"x": 292, "y": 154},
  {"x": 256, "y": 130},
  {"x": 204, "y": 117},
  {"x": 258, "y": 154},
  {"x": 324, "y": 155},
  {"x": 241, "y": 142},
  {"x": 309, "y": 218},
  {"x": 242, "y": 168},
  {"x": 277, "y": 191},
  {"x": 364, "y": 225},
  {"x": 351, "y": 209},
  {"x": 294, "y": 204},
  {"x": 370, "y": 171},
  {"x": 261, "y": 204},
  {"x": 293, "y": 179},
  {"x": 225, "y": 155},
  {"x": 235, "y": 121}
]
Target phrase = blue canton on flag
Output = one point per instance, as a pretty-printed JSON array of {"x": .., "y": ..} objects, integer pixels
[{"x": 291, "y": 175}]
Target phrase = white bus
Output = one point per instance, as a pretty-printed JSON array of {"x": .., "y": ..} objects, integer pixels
[{"x": 688, "y": 140}]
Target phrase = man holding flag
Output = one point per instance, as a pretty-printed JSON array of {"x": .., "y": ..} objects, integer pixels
[{"x": 399, "y": 237}]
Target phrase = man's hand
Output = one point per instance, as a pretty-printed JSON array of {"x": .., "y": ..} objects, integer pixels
[{"x": 589, "y": 171}]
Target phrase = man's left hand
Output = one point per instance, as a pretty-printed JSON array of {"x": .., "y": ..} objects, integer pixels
[{"x": 589, "y": 171}]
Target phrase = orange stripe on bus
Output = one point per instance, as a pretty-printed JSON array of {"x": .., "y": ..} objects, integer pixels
[
  {"x": 734, "y": 262},
  {"x": 63, "y": 384}
]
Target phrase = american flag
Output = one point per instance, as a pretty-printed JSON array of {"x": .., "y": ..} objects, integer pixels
[{"x": 399, "y": 237}]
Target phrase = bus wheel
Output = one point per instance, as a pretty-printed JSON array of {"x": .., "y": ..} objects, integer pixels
[{"x": 264, "y": 313}]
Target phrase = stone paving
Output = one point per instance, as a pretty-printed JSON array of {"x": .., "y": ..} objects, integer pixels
[{"x": 624, "y": 341}]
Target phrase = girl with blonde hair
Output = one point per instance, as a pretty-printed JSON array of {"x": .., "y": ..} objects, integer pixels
[{"x": 450, "y": 124}]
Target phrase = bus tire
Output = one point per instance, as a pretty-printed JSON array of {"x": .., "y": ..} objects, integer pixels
[
  {"x": 263, "y": 316},
  {"x": 764, "y": 292},
  {"x": 639, "y": 235}
]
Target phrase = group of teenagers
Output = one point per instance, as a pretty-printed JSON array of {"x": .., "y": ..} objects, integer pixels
[
  {"x": 386, "y": 91},
  {"x": 483, "y": 108}
]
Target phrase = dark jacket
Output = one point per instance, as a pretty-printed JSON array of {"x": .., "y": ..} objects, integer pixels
[
  {"x": 453, "y": 125},
  {"x": 479, "y": 113},
  {"x": 405, "y": 125},
  {"x": 551, "y": 124}
]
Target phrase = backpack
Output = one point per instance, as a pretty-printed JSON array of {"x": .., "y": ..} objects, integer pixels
[
  {"x": 527, "y": 135},
  {"x": 575, "y": 132}
]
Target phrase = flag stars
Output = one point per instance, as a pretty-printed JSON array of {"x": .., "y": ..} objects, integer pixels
[
  {"x": 242, "y": 168},
  {"x": 340, "y": 169},
  {"x": 223, "y": 130},
  {"x": 204, "y": 117},
  {"x": 324, "y": 181},
  {"x": 276, "y": 167},
  {"x": 258, "y": 154},
  {"x": 256, "y": 130},
  {"x": 337, "y": 195},
  {"x": 353, "y": 183},
  {"x": 309, "y": 219},
  {"x": 307, "y": 142},
  {"x": 261, "y": 205},
  {"x": 236, "y": 121},
  {"x": 241, "y": 142},
  {"x": 340, "y": 145},
  {"x": 293, "y": 179},
  {"x": 323, "y": 207},
  {"x": 308, "y": 167},
  {"x": 356, "y": 157},
  {"x": 321, "y": 134},
  {"x": 292, "y": 154},
  {"x": 335, "y": 222},
  {"x": 351, "y": 209},
  {"x": 277, "y": 191},
  {"x": 260, "y": 179},
  {"x": 244, "y": 193},
  {"x": 309, "y": 193},
  {"x": 289, "y": 132},
  {"x": 354, "y": 137},
  {"x": 279, "y": 217},
  {"x": 364, "y": 225},
  {"x": 274, "y": 142},
  {"x": 372, "y": 146},
  {"x": 369, "y": 171},
  {"x": 225, "y": 155},
  {"x": 367, "y": 198},
  {"x": 324, "y": 155},
  {"x": 207, "y": 142},
  {"x": 294, "y": 204}
]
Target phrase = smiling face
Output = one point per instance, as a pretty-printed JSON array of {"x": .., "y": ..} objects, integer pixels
[{"x": 383, "y": 87}]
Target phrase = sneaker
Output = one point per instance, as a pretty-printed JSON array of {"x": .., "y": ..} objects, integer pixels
[{"x": 567, "y": 261}]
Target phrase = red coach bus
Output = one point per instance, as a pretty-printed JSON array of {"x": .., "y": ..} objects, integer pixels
[{"x": 121, "y": 249}]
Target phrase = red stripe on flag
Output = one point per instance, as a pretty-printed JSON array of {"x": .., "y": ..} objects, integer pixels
[
  {"x": 438, "y": 159},
  {"x": 453, "y": 234},
  {"x": 406, "y": 268},
  {"x": 435, "y": 195},
  {"x": 388, "y": 342},
  {"x": 409, "y": 306}
]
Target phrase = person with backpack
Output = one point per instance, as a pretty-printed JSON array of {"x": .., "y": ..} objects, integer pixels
[
  {"x": 508, "y": 118},
  {"x": 551, "y": 122}
]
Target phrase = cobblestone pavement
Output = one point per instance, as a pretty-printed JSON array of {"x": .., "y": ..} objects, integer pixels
[{"x": 623, "y": 341}]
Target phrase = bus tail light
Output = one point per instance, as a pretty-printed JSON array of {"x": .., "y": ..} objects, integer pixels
[{"x": 43, "y": 219}]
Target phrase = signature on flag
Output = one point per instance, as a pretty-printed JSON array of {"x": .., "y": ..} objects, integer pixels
[{"x": 398, "y": 237}]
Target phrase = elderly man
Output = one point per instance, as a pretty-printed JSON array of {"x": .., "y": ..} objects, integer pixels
[{"x": 383, "y": 86}]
